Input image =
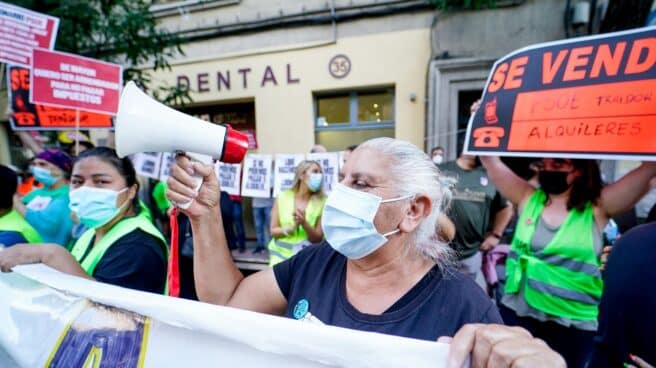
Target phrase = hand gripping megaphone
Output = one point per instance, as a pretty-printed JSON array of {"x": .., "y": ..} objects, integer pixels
[{"x": 145, "y": 125}]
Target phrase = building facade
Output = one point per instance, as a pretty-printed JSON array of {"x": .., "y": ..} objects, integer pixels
[{"x": 291, "y": 75}]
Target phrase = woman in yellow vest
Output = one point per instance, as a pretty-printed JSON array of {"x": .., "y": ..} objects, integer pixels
[
  {"x": 14, "y": 229},
  {"x": 122, "y": 246},
  {"x": 296, "y": 213},
  {"x": 554, "y": 283}
]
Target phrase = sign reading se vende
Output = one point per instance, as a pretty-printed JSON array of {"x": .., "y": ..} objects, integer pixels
[
  {"x": 22, "y": 30},
  {"x": 590, "y": 97},
  {"x": 26, "y": 116},
  {"x": 71, "y": 81}
]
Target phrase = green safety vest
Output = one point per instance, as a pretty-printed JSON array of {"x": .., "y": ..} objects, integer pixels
[
  {"x": 282, "y": 248},
  {"x": 563, "y": 279},
  {"x": 13, "y": 221},
  {"x": 122, "y": 228}
]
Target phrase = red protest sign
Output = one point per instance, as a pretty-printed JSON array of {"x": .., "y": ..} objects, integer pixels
[
  {"x": 66, "y": 80},
  {"x": 22, "y": 30},
  {"x": 591, "y": 97},
  {"x": 27, "y": 116}
]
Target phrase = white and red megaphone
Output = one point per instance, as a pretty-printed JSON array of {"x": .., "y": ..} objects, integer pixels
[{"x": 145, "y": 125}]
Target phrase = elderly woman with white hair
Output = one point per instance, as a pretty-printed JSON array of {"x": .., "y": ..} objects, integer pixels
[{"x": 381, "y": 268}]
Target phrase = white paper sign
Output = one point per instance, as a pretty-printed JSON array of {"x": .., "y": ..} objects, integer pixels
[
  {"x": 284, "y": 171},
  {"x": 330, "y": 165},
  {"x": 257, "y": 176},
  {"x": 147, "y": 164},
  {"x": 50, "y": 319},
  {"x": 229, "y": 176},
  {"x": 168, "y": 159}
]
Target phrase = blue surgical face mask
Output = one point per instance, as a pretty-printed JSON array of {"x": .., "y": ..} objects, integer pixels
[
  {"x": 315, "y": 181},
  {"x": 43, "y": 176},
  {"x": 348, "y": 221},
  {"x": 95, "y": 207}
]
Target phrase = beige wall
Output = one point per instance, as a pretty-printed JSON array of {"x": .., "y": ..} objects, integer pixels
[{"x": 284, "y": 113}]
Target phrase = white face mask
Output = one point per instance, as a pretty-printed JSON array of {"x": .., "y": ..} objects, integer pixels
[
  {"x": 348, "y": 221},
  {"x": 438, "y": 159}
]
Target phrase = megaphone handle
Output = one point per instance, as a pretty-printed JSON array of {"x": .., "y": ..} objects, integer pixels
[{"x": 205, "y": 159}]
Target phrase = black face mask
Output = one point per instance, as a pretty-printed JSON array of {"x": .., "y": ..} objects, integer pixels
[{"x": 553, "y": 182}]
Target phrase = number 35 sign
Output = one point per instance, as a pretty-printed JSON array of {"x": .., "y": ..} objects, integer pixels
[{"x": 339, "y": 66}]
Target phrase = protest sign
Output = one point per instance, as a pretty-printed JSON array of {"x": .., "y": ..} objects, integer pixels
[
  {"x": 27, "y": 116},
  {"x": 257, "y": 176},
  {"x": 229, "y": 176},
  {"x": 66, "y": 80},
  {"x": 168, "y": 159},
  {"x": 50, "y": 319},
  {"x": 589, "y": 97},
  {"x": 147, "y": 164},
  {"x": 21, "y": 31},
  {"x": 283, "y": 173},
  {"x": 330, "y": 165}
]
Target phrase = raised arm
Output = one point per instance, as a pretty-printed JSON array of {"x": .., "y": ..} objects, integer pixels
[
  {"x": 217, "y": 279},
  {"x": 623, "y": 194},
  {"x": 511, "y": 186}
]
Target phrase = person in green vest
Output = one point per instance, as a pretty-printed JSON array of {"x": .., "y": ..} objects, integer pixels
[
  {"x": 122, "y": 246},
  {"x": 46, "y": 209},
  {"x": 296, "y": 213},
  {"x": 554, "y": 282},
  {"x": 14, "y": 229}
]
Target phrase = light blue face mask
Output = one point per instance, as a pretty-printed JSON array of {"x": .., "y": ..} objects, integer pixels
[
  {"x": 43, "y": 176},
  {"x": 315, "y": 181},
  {"x": 95, "y": 207},
  {"x": 348, "y": 221}
]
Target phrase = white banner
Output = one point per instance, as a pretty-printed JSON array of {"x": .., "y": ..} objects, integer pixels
[
  {"x": 284, "y": 171},
  {"x": 147, "y": 164},
  {"x": 56, "y": 320},
  {"x": 330, "y": 165},
  {"x": 229, "y": 176},
  {"x": 257, "y": 176}
]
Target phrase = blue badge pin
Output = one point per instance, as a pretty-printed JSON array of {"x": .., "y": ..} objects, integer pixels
[
  {"x": 301, "y": 308},
  {"x": 484, "y": 181}
]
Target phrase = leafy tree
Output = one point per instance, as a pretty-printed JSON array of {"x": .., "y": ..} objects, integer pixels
[{"x": 119, "y": 31}]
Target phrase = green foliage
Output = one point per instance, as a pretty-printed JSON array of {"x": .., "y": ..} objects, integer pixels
[
  {"x": 119, "y": 31},
  {"x": 463, "y": 4}
]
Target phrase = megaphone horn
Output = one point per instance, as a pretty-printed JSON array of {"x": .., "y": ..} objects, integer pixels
[{"x": 145, "y": 125}]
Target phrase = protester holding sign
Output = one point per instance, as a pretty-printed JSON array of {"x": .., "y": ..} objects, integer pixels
[
  {"x": 46, "y": 209},
  {"x": 122, "y": 246},
  {"x": 554, "y": 283},
  {"x": 296, "y": 213}
]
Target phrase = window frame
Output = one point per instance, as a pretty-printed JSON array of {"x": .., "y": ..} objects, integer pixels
[{"x": 354, "y": 123}]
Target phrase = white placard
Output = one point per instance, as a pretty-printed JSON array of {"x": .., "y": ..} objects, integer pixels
[
  {"x": 283, "y": 173},
  {"x": 257, "y": 176},
  {"x": 168, "y": 159},
  {"x": 330, "y": 165},
  {"x": 147, "y": 164},
  {"x": 229, "y": 176}
]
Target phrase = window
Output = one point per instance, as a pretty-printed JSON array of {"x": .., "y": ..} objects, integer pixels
[{"x": 344, "y": 119}]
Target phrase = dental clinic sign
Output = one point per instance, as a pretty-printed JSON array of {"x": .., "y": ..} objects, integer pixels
[{"x": 66, "y": 80}]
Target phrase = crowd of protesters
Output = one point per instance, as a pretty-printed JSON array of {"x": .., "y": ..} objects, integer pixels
[{"x": 405, "y": 244}]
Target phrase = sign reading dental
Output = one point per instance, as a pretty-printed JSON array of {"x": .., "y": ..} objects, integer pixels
[
  {"x": 591, "y": 97},
  {"x": 67, "y": 80},
  {"x": 22, "y": 30},
  {"x": 244, "y": 78}
]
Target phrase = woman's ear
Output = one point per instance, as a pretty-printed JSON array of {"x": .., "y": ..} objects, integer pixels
[
  {"x": 420, "y": 207},
  {"x": 132, "y": 192}
]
